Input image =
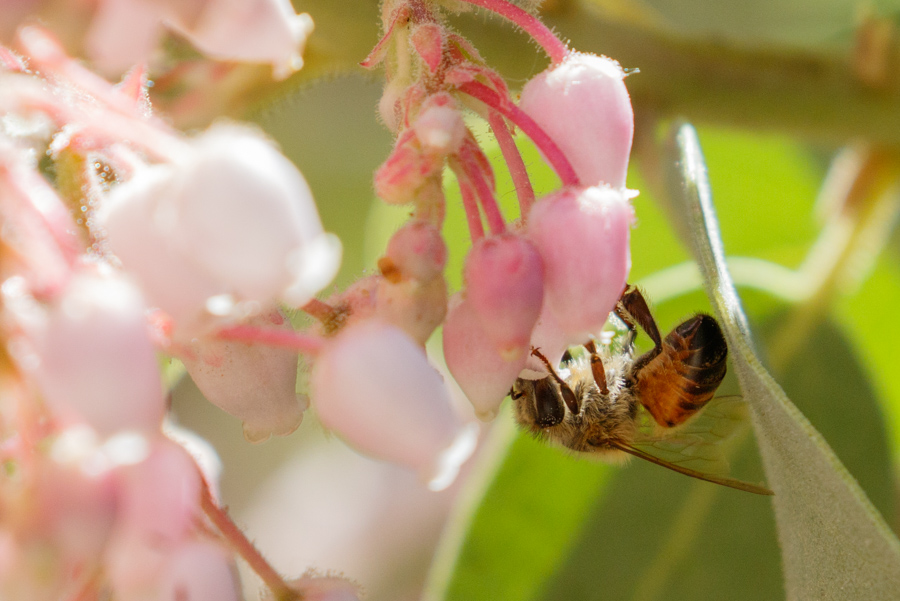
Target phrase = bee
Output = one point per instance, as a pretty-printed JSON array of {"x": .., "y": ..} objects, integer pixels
[{"x": 597, "y": 404}]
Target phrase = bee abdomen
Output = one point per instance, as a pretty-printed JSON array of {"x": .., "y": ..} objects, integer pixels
[{"x": 686, "y": 373}]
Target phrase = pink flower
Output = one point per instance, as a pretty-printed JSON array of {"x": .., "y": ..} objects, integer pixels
[
  {"x": 255, "y": 383},
  {"x": 582, "y": 235},
  {"x": 125, "y": 32},
  {"x": 226, "y": 230},
  {"x": 583, "y": 105},
  {"x": 505, "y": 288},
  {"x": 484, "y": 374},
  {"x": 90, "y": 354},
  {"x": 374, "y": 386},
  {"x": 157, "y": 505}
]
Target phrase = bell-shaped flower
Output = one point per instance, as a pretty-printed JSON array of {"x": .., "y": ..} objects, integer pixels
[
  {"x": 90, "y": 354},
  {"x": 582, "y": 104},
  {"x": 505, "y": 288},
  {"x": 374, "y": 386},
  {"x": 263, "y": 31},
  {"x": 125, "y": 32},
  {"x": 234, "y": 219},
  {"x": 253, "y": 382},
  {"x": 484, "y": 374},
  {"x": 582, "y": 235}
]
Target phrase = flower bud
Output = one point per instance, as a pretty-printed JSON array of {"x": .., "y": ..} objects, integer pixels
[
  {"x": 483, "y": 373},
  {"x": 91, "y": 356},
  {"x": 375, "y": 388},
  {"x": 234, "y": 218},
  {"x": 407, "y": 170},
  {"x": 253, "y": 382},
  {"x": 505, "y": 288},
  {"x": 582, "y": 235},
  {"x": 416, "y": 251},
  {"x": 439, "y": 126},
  {"x": 582, "y": 104}
]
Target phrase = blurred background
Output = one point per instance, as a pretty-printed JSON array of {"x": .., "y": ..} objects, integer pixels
[{"x": 777, "y": 89}]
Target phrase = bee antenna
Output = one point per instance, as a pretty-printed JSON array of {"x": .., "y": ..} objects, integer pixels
[{"x": 729, "y": 482}]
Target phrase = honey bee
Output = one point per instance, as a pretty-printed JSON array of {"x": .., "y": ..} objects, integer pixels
[{"x": 596, "y": 405}]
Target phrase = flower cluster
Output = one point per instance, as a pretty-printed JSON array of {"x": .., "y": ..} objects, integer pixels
[
  {"x": 124, "y": 238},
  {"x": 548, "y": 280}
]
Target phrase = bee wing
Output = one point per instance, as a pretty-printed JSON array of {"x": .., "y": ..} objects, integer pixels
[{"x": 695, "y": 448}]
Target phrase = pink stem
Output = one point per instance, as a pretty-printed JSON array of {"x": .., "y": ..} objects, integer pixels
[
  {"x": 552, "y": 45},
  {"x": 303, "y": 343},
  {"x": 473, "y": 169},
  {"x": 470, "y": 203},
  {"x": 123, "y": 115},
  {"x": 242, "y": 545},
  {"x": 514, "y": 163},
  {"x": 545, "y": 143}
]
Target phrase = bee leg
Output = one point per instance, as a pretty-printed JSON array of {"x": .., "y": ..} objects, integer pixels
[
  {"x": 597, "y": 367},
  {"x": 567, "y": 394},
  {"x": 632, "y": 309}
]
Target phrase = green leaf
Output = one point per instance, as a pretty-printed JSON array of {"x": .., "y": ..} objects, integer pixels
[{"x": 834, "y": 543}]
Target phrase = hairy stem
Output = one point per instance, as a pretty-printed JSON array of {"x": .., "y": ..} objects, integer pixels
[
  {"x": 514, "y": 162},
  {"x": 242, "y": 545},
  {"x": 533, "y": 26},
  {"x": 475, "y": 171},
  {"x": 545, "y": 143},
  {"x": 470, "y": 203}
]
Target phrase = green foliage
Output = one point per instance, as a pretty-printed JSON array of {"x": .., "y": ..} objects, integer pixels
[{"x": 834, "y": 543}]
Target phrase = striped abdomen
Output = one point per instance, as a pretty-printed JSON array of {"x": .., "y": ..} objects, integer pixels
[{"x": 684, "y": 375}]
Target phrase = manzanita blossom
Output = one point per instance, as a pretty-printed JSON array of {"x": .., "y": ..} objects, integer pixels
[
  {"x": 582, "y": 103},
  {"x": 484, "y": 373},
  {"x": 406, "y": 418},
  {"x": 230, "y": 220},
  {"x": 254, "y": 382},
  {"x": 582, "y": 235},
  {"x": 505, "y": 289},
  {"x": 89, "y": 352}
]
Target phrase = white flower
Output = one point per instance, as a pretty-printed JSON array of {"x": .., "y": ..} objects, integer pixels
[{"x": 227, "y": 230}]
